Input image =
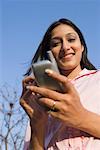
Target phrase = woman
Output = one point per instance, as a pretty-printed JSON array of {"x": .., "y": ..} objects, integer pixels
[{"x": 72, "y": 120}]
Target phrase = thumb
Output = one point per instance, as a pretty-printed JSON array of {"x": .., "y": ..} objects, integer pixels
[{"x": 66, "y": 84}]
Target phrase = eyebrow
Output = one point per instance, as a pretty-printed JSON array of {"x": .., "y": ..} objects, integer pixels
[{"x": 67, "y": 35}]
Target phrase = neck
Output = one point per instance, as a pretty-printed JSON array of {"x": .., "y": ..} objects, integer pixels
[{"x": 71, "y": 73}]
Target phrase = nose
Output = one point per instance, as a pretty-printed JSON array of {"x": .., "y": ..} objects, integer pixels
[{"x": 65, "y": 45}]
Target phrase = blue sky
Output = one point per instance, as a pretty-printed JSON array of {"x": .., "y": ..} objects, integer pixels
[{"x": 24, "y": 22}]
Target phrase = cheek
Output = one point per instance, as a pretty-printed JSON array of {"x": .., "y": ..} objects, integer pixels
[
  {"x": 78, "y": 52},
  {"x": 55, "y": 52},
  {"x": 79, "y": 55},
  {"x": 78, "y": 49}
]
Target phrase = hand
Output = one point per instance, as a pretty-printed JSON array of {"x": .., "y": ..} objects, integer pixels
[
  {"x": 65, "y": 106},
  {"x": 28, "y": 101}
]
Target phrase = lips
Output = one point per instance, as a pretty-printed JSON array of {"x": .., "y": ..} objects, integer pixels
[{"x": 68, "y": 55}]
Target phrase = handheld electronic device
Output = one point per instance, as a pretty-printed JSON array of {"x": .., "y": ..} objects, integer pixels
[{"x": 42, "y": 78}]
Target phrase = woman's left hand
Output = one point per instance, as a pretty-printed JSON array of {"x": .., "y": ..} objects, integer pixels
[{"x": 65, "y": 105}]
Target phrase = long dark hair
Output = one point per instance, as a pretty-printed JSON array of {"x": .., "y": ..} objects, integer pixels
[{"x": 44, "y": 46}]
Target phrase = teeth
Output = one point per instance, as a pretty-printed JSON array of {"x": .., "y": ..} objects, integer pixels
[{"x": 69, "y": 54}]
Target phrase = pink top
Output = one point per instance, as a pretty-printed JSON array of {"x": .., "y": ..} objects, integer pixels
[{"x": 61, "y": 137}]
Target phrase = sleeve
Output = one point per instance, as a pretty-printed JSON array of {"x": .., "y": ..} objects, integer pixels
[{"x": 27, "y": 137}]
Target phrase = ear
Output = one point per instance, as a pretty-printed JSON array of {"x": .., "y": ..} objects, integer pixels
[{"x": 82, "y": 48}]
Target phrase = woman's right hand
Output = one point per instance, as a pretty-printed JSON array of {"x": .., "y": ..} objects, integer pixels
[
  {"x": 36, "y": 112},
  {"x": 29, "y": 101}
]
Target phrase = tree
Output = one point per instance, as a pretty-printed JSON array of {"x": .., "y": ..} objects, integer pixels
[{"x": 13, "y": 120}]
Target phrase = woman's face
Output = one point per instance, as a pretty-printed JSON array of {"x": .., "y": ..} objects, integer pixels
[{"x": 66, "y": 47}]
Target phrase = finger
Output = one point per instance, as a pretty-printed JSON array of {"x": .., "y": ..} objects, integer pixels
[
  {"x": 66, "y": 84},
  {"x": 27, "y": 108},
  {"x": 27, "y": 81},
  {"x": 28, "y": 95},
  {"x": 49, "y": 103},
  {"x": 28, "y": 78},
  {"x": 46, "y": 92},
  {"x": 54, "y": 114}
]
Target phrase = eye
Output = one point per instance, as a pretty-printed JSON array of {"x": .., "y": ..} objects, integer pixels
[
  {"x": 71, "y": 40},
  {"x": 55, "y": 43}
]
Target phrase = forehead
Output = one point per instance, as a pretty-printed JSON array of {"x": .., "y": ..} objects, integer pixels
[{"x": 63, "y": 29}]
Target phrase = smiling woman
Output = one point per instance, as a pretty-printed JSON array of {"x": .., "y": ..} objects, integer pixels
[
  {"x": 67, "y": 49},
  {"x": 72, "y": 120}
]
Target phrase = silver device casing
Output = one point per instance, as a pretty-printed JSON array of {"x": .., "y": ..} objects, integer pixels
[{"x": 42, "y": 78}]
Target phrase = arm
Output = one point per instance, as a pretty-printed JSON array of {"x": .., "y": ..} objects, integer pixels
[
  {"x": 37, "y": 139},
  {"x": 90, "y": 123},
  {"x": 33, "y": 139}
]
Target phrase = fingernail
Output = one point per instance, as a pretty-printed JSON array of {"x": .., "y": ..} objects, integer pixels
[
  {"x": 27, "y": 87},
  {"x": 49, "y": 71},
  {"x": 33, "y": 93}
]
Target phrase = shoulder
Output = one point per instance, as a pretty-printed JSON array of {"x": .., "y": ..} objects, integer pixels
[
  {"x": 95, "y": 75},
  {"x": 88, "y": 74},
  {"x": 87, "y": 79},
  {"x": 88, "y": 87},
  {"x": 98, "y": 73}
]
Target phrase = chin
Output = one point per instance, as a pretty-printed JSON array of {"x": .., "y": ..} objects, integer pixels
[{"x": 67, "y": 66}]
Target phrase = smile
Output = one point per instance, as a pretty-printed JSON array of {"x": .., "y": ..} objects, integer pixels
[{"x": 68, "y": 56}]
